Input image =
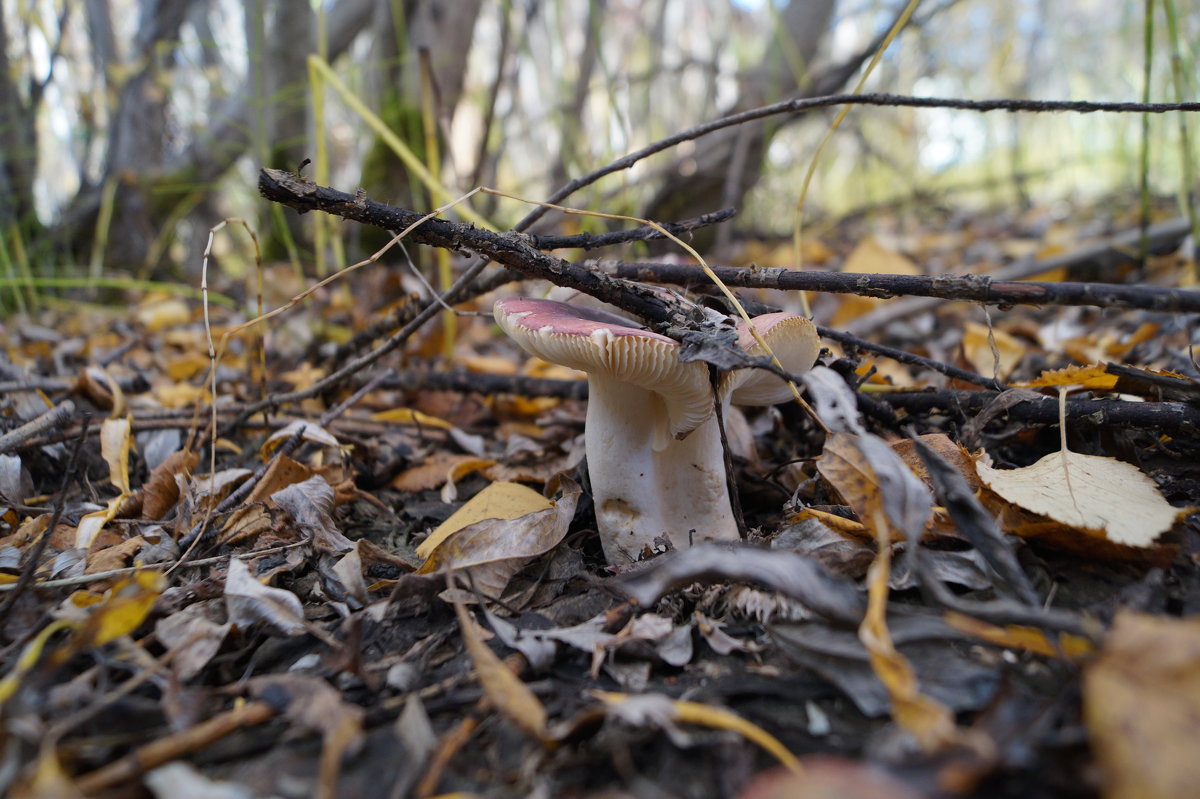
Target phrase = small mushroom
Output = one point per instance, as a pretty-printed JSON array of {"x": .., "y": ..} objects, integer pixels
[{"x": 653, "y": 445}]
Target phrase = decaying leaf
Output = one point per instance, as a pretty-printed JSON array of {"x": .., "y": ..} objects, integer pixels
[
  {"x": 191, "y": 637},
  {"x": 310, "y": 504},
  {"x": 1102, "y": 496},
  {"x": 1142, "y": 707}
]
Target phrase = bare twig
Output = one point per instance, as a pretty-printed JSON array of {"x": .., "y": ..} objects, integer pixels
[
  {"x": 971, "y": 288},
  {"x": 54, "y": 417},
  {"x": 35, "y": 553}
]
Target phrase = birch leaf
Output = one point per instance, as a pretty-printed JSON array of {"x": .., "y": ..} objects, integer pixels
[{"x": 1101, "y": 495}]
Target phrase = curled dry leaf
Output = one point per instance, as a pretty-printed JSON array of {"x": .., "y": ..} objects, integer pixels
[
  {"x": 1101, "y": 496},
  {"x": 310, "y": 504},
  {"x": 497, "y": 532},
  {"x": 248, "y": 602},
  {"x": 191, "y": 637}
]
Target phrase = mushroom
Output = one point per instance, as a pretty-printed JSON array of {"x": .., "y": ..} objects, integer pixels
[{"x": 653, "y": 446}]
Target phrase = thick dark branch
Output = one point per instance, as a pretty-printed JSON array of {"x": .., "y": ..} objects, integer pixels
[
  {"x": 1171, "y": 418},
  {"x": 973, "y": 288},
  {"x": 799, "y": 105},
  {"x": 511, "y": 249}
]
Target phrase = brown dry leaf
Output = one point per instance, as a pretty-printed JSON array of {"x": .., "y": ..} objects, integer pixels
[
  {"x": 248, "y": 601},
  {"x": 191, "y": 637},
  {"x": 503, "y": 689},
  {"x": 161, "y": 490},
  {"x": 116, "y": 556},
  {"x": 497, "y": 532},
  {"x": 977, "y": 343},
  {"x": 1102, "y": 496},
  {"x": 253, "y": 517},
  {"x": 310, "y": 504},
  {"x": 1141, "y": 702}
]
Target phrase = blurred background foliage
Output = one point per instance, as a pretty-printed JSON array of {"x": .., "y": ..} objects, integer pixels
[{"x": 129, "y": 127}]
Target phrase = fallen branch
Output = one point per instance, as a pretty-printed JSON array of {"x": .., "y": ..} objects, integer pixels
[
  {"x": 970, "y": 288},
  {"x": 1171, "y": 418},
  {"x": 513, "y": 250}
]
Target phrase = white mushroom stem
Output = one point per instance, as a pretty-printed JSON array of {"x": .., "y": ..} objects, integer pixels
[{"x": 641, "y": 493}]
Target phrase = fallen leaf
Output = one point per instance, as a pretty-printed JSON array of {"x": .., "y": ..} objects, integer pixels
[
  {"x": 515, "y": 525},
  {"x": 496, "y": 501},
  {"x": 410, "y": 416},
  {"x": 503, "y": 689},
  {"x": 191, "y": 637},
  {"x": 1099, "y": 495},
  {"x": 977, "y": 342},
  {"x": 248, "y": 602},
  {"x": 1141, "y": 704},
  {"x": 310, "y": 504}
]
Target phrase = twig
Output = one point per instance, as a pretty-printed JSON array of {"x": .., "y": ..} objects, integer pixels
[
  {"x": 1171, "y": 418},
  {"x": 808, "y": 103},
  {"x": 54, "y": 417},
  {"x": 511, "y": 249},
  {"x": 591, "y": 241},
  {"x": 35, "y": 553},
  {"x": 172, "y": 747},
  {"x": 971, "y": 288}
]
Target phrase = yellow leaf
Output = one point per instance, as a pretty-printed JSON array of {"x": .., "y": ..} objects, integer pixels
[
  {"x": 1088, "y": 492},
  {"x": 91, "y": 524},
  {"x": 160, "y": 313},
  {"x": 492, "y": 550},
  {"x": 124, "y": 608},
  {"x": 29, "y": 657},
  {"x": 977, "y": 347},
  {"x": 870, "y": 256},
  {"x": 410, "y": 416},
  {"x": 1091, "y": 377},
  {"x": 1141, "y": 702},
  {"x": 503, "y": 689},
  {"x": 115, "y": 440},
  {"x": 497, "y": 501}
]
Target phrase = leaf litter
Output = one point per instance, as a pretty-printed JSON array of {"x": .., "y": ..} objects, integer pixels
[{"x": 408, "y": 595}]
